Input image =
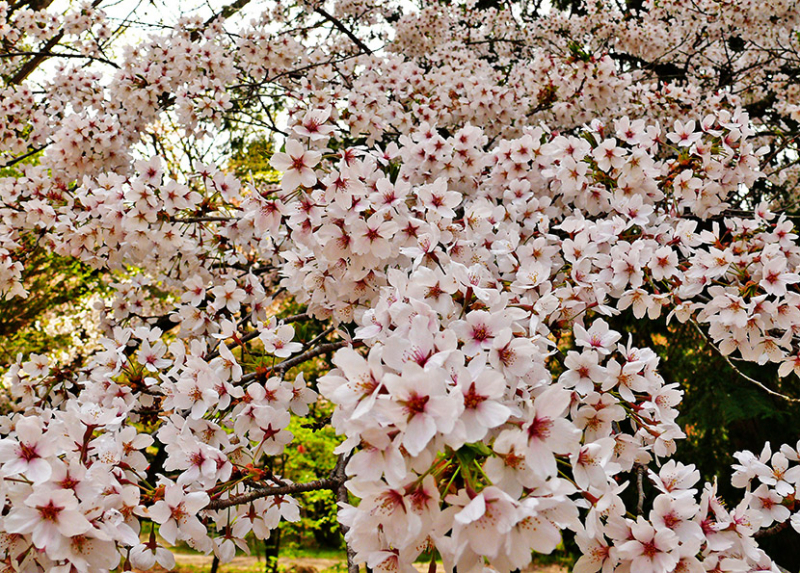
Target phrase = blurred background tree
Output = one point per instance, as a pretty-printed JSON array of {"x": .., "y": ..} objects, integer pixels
[{"x": 59, "y": 292}]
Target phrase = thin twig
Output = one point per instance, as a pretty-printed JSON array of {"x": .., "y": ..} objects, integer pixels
[
  {"x": 739, "y": 372},
  {"x": 255, "y": 333},
  {"x": 320, "y": 336}
]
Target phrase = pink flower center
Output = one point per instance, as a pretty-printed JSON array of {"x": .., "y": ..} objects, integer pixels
[
  {"x": 416, "y": 403},
  {"x": 197, "y": 459},
  {"x": 513, "y": 461},
  {"x": 270, "y": 432},
  {"x": 49, "y": 512},
  {"x": 480, "y": 333},
  {"x": 540, "y": 428},
  {"x": 434, "y": 292},
  {"x": 68, "y": 482},
  {"x": 178, "y": 513},
  {"x": 472, "y": 399},
  {"x": 27, "y": 452},
  {"x": 649, "y": 549},
  {"x": 671, "y": 520},
  {"x": 299, "y": 163}
]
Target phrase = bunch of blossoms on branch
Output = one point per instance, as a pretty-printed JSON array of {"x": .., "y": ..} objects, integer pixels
[
  {"x": 462, "y": 224},
  {"x": 458, "y": 424},
  {"x": 460, "y": 355}
]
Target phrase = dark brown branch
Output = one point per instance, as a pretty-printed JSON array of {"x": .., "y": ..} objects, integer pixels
[
  {"x": 30, "y": 66},
  {"x": 228, "y": 11},
  {"x": 640, "y": 469},
  {"x": 58, "y": 55},
  {"x": 34, "y": 5},
  {"x": 205, "y": 220},
  {"x": 342, "y": 28},
  {"x": 224, "y": 14},
  {"x": 665, "y": 71},
  {"x": 775, "y": 529},
  {"x": 302, "y": 317},
  {"x": 331, "y": 483},
  {"x": 341, "y": 496},
  {"x": 314, "y": 352},
  {"x": 300, "y": 358},
  {"x": 16, "y": 160}
]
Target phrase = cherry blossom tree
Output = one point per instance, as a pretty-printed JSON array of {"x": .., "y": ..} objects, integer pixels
[{"x": 469, "y": 196}]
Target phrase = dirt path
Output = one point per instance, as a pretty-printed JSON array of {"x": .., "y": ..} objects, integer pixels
[{"x": 300, "y": 564}]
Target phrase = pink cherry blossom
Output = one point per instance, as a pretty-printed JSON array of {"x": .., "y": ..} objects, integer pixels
[
  {"x": 177, "y": 514},
  {"x": 51, "y": 517},
  {"x": 297, "y": 165},
  {"x": 27, "y": 454}
]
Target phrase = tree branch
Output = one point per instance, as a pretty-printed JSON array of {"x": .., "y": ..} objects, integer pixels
[
  {"x": 739, "y": 372},
  {"x": 775, "y": 529},
  {"x": 342, "y": 28},
  {"x": 228, "y": 11},
  {"x": 640, "y": 469},
  {"x": 205, "y": 219},
  {"x": 334, "y": 482},
  {"x": 300, "y": 358},
  {"x": 223, "y": 14},
  {"x": 34, "y": 5},
  {"x": 254, "y": 334},
  {"x": 16, "y": 160},
  {"x": 58, "y": 55},
  {"x": 321, "y": 349},
  {"x": 30, "y": 66},
  {"x": 302, "y": 317},
  {"x": 341, "y": 496}
]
